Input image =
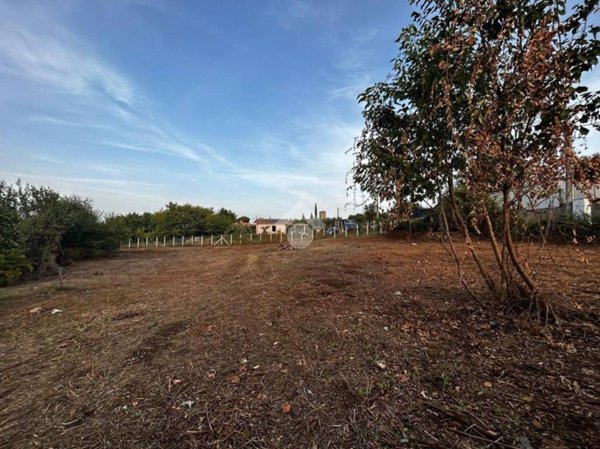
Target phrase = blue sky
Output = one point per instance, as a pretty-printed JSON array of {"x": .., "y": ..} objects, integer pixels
[{"x": 246, "y": 105}]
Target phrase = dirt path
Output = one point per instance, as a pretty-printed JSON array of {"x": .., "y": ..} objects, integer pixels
[{"x": 366, "y": 343}]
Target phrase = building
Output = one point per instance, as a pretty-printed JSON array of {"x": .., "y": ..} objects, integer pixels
[
  {"x": 322, "y": 215},
  {"x": 568, "y": 200},
  {"x": 271, "y": 225}
]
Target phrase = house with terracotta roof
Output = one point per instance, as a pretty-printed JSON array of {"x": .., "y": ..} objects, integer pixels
[{"x": 271, "y": 225}]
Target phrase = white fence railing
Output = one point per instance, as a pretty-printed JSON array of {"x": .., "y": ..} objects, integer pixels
[{"x": 242, "y": 238}]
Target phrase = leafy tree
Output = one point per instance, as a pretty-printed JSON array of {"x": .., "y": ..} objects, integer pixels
[
  {"x": 137, "y": 225},
  {"x": 41, "y": 229},
  {"x": 13, "y": 262},
  {"x": 181, "y": 219},
  {"x": 486, "y": 93},
  {"x": 588, "y": 169},
  {"x": 84, "y": 234},
  {"x": 220, "y": 222}
]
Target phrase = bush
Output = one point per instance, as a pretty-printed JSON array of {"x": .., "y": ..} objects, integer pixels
[
  {"x": 13, "y": 264},
  {"x": 40, "y": 230},
  {"x": 567, "y": 229}
]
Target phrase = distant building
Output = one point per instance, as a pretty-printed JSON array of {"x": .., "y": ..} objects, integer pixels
[
  {"x": 568, "y": 200},
  {"x": 322, "y": 215},
  {"x": 271, "y": 225}
]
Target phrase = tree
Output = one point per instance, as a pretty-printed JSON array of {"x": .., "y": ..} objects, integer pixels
[
  {"x": 13, "y": 262},
  {"x": 486, "y": 93},
  {"x": 220, "y": 222},
  {"x": 42, "y": 229},
  {"x": 184, "y": 219}
]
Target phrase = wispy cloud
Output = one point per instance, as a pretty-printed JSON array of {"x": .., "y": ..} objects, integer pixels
[
  {"x": 45, "y": 60},
  {"x": 115, "y": 183},
  {"x": 61, "y": 64},
  {"x": 355, "y": 63},
  {"x": 45, "y": 158},
  {"x": 62, "y": 122},
  {"x": 353, "y": 87},
  {"x": 106, "y": 169}
]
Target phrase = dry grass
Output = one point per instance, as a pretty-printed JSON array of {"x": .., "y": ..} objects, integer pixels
[{"x": 366, "y": 343}]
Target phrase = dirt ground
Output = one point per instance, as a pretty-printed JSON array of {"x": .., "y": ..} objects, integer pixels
[{"x": 357, "y": 343}]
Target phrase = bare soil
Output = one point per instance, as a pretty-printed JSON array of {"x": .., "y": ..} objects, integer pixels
[{"x": 354, "y": 343}]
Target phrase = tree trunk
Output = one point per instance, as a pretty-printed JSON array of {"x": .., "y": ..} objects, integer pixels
[
  {"x": 465, "y": 230},
  {"x": 516, "y": 263}
]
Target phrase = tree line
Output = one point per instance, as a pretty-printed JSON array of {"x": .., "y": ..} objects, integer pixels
[
  {"x": 42, "y": 230},
  {"x": 177, "y": 220}
]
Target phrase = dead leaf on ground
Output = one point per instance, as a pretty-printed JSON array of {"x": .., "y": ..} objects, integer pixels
[
  {"x": 233, "y": 379},
  {"x": 285, "y": 408}
]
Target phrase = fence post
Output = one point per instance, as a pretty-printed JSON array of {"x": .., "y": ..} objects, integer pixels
[
  {"x": 146, "y": 242},
  {"x": 357, "y": 230},
  {"x": 334, "y": 231},
  {"x": 367, "y": 228},
  {"x": 201, "y": 240},
  {"x": 211, "y": 240},
  {"x": 164, "y": 241},
  {"x": 240, "y": 238},
  {"x": 380, "y": 229},
  {"x": 182, "y": 240},
  {"x": 251, "y": 237},
  {"x": 129, "y": 243},
  {"x": 271, "y": 237},
  {"x": 231, "y": 238},
  {"x": 281, "y": 237},
  {"x": 260, "y": 237},
  {"x": 345, "y": 231},
  {"x": 192, "y": 239},
  {"x": 138, "y": 242},
  {"x": 173, "y": 241},
  {"x": 156, "y": 243}
]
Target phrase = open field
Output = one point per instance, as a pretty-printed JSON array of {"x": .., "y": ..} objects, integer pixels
[{"x": 366, "y": 343}]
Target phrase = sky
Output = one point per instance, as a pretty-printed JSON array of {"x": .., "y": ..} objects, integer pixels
[
  {"x": 249, "y": 106},
  {"x": 245, "y": 105}
]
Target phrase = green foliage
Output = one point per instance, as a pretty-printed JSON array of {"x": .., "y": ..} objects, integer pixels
[
  {"x": 174, "y": 220},
  {"x": 220, "y": 222},
  {"x": 13, "y": 262},
  {"x": 182, "y": 219},
  {"x": 40, "y": 230},
  {"x": 134, "y": 224}
]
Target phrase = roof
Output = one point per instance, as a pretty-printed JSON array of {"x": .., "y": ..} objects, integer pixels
[{"x": 271, "y": 221}]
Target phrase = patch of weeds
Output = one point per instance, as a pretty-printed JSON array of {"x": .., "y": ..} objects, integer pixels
[
  {"x": 387, "y": 383},
  {"x": 57, "y": 288},
  {"x": 416, "y": 372}
]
